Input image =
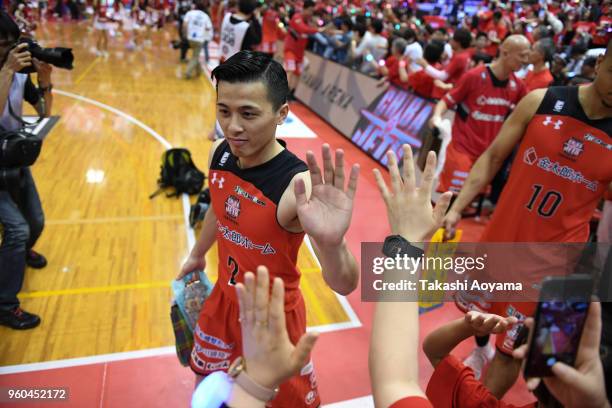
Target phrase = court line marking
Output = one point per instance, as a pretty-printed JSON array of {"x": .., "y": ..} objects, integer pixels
[
  {"x": 186, "y": 204},
  {"x": 79, "y": 221},
  {"x": 105, "y": 358},
  {"x": 89, "y": 68},
  {"x": 95, "y": 289}
]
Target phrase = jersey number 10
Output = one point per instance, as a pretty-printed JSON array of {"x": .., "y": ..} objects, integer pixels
[{"x": 548, "y": 201}]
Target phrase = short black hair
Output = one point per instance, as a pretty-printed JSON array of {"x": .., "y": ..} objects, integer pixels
[
  {"x": 482, "y": 34},
  {"x": 409, "y": 34},
  {"x": 377, "y": 25},
  {"x": 254, "y": 66},
  {"x": 247, "y": 6},
  {"x": 8, "y": 27},
  {"x": 463, "y": 37},
  {"x": 433, "y": 51},
  {"x": 308, "y": 4}
]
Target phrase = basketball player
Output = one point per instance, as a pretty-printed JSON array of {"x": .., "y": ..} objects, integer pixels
[
  {"x": 264, "y": 201},
  {"x": 562, "y": 169},
  {"x": 240, "y": 31}
]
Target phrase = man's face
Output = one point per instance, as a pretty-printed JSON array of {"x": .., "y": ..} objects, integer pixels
[
  {"x": 481, "y": 42},
  {"x": 6, "y": 44},
  {"x": 518, "y": 56},
  {"x": 247, "y": 116},
  {"x": 535, "y": 57},
  {"x": 603, "y": 80}
]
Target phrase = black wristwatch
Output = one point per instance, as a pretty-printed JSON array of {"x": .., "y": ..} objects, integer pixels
[
  {"x": 397, "y": 245},
  {"x": 44, "y": 89}
]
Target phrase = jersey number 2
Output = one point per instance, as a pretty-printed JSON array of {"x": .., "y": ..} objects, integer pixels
[
  {"x": 548, "y": 203},
  {"x": 231, "y": 262}
]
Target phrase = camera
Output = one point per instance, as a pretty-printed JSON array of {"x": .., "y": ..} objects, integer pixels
[{"x": 59, "y": 57}]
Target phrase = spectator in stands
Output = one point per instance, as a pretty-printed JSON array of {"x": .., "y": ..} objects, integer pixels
[
  {"x": 541, "y": 54},
  {"x": 391, "y": 67},
  {"x": 557, "y": 71},
  {"x": 587, "y": 72},
  {"x": 481, "y": 44},
  {"x": 497, "y": 30},
  {"x": 296, "y": 41},
  {"x": 372, "y": 47},
  {"x": 459, "y": 63},
  {"x": 420, "y": 82},
  {"x": 414, "y": 50},
  {"x": 576, "y": 58}
]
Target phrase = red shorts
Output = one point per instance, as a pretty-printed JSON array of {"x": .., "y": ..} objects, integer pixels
[
  {"x": 269, "y": 47},
  {"x": 292, "y": 63},
  {"x": 218, "y": 342},
  {"x": 456, "y": 169}
]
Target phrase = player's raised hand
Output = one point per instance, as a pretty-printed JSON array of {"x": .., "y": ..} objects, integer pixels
[{"x": 326, "y": 215}]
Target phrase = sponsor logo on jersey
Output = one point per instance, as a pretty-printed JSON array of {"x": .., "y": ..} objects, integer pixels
[
  {"x": 210, "y": 353},
  {"x": 484, "y": 100},
  {"x": 556, "y": 124},
  {"x": 217, "y": 181},
  {"x": 310, "y": 397},
  {"x": 232, "y": 207},
  {"x": 572, "y": 148},
  {"x": 241, "y": 192},
  {"x": 237, "y": 238},
  {"x": 212, "y": 340},
  {"x": 567, "y": 173},
  {"x": 590, "y": 138},
  {"x": 530, "y": 156},
  {"x": 559, "y": 106},
  {"x": 222, "y": 365},
  {"x": 223, "y": 159}
]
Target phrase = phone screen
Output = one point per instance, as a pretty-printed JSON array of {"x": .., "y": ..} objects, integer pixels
[{"x": 557, "y": 334}]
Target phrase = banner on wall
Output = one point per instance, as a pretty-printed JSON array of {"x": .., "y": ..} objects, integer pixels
[
  {"x": 374, "y": 118},
  {"x": 335, "y": 92}
]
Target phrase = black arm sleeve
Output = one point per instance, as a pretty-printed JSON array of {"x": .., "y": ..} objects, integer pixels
[
  {"x": 253, "y": 35},
  {"x": 30, "y": 93}
]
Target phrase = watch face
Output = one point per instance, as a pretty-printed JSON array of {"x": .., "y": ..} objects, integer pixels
[{"x": 393, "y": 245}]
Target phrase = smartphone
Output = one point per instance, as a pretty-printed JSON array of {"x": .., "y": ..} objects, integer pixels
[{"x": 559, "y": 320}]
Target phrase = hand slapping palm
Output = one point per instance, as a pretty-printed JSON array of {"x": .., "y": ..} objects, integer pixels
[{"x": 326, "y": 215}]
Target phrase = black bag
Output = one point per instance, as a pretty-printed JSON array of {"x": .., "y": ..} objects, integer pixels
[
  {"x": 18, "y": 148},
  {"x": 179, "y": 171}
]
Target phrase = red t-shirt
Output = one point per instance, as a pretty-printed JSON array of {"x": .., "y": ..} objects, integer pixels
[
  {"x": 458, "y": 65},
  {"x": 412, "y": 402},
  {"x": 484, "y": 102},
  {"x": 537, "y": 80},
  {"x": 392, "y": 64},
  {"x": 498, "y": 31},
  {"x": 422, "y": 84},
  {"x": 297, "y": 46},
  {"x": 453, "y": 385},
  {"x": 269, "y": 27}
]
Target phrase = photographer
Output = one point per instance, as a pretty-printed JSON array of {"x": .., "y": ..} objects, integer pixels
[{"x": 21, "y": 215}]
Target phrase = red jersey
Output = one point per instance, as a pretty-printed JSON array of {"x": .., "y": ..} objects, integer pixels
[
  {"x": 297, "y": 36},
  {"x": 458, "y": 65},
  {"x": 453, "y": 385},
  {"x": 537, "y": 80},
  {"x": 269, "y": 27},
  {"x": 483, "y": 104},
  {"x": 562, "y": 169},
  {"x": 245, "y": 202},
  {"x": 421, "y": 83}
]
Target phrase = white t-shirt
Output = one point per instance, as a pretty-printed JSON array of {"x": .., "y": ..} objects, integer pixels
[
  {"x": 414, "y": 51},
  {"x": 199, "y": 26},
  {"x": 371, "y": 44}
]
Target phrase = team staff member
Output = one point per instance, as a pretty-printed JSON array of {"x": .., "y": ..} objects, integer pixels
[
  {"x": 563, "y": 168},
  {"x": 261, "y": 211},
  {"x": 240, "y": 31}
]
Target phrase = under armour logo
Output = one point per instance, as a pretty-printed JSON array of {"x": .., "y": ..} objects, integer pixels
[
  {"x": 219, "y": 181},
  {"x": 557, "y": 124}
]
